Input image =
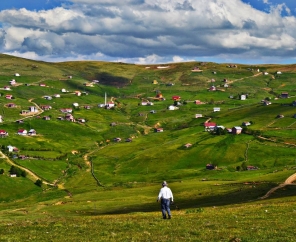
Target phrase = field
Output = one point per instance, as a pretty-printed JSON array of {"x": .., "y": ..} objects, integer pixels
[{"x": 101, "y": 168}]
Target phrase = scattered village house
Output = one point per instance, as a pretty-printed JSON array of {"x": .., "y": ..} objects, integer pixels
[
  {"x": 81, "y": 120},
  {"x": 210, "y": 126},
  {"x": 12, "y": 82},
  {"x": 284, "y": 95},
  {"x": 8, "y": 96},
  {"x": 198, "y": 102},
  {"x": 237, "y": 130},
  {"x": 198, "y": 115},
  {"x": 158, "y": 130},
  {"x": 243, "y": 97},
  {"x": 33, "y": 109},
  {"x": 46, "y": 118},
  {"x": 78, "y": 93},
  {"x": 212, "y": 88},
  {"x": 110, "y": 105},
  {"x": 211, "y": 167},
  {"x": 47, "y": 97},
  {"x": 12, "y": 148},
  {"x": 216, "y": 109},
  {"x": 266, "y": 103},
  {"x": 22, "y": 132},
  {"x": 172, "y": 107},
  {"x": 144, "y": 103},
  {"x": 45, "y": 107},
  {"x": 250, "y": 168},
  {"x": 69, "y": 117},
  {"x": 32, "y": 132},
  {"x": 176, "y": 98},
  {"x": 188, "y": 145},
  {"x": 11, "y": 105},
  {"x": 66, "y": 110},
  {"x": 246, "y": 123},
  {"x": 3, "y": 133}
]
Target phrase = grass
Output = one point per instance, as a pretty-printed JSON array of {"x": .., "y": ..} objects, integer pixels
[{"x": 219, "y": 205}]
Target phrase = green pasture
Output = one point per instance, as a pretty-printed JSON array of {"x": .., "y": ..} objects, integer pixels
[
  {"x": 48, "y": 170},
  {"x": 111, "y": 187}
]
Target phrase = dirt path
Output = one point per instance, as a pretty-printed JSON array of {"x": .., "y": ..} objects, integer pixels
[
  {"x": 232, "y": 81},
  {"x": 31, "y": 175},
  {"x": 289, "y": 181}
]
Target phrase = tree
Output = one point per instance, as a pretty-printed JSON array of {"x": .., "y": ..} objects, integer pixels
[
  {"x": 38, "y": 183},
  {"x": 244, "y": 166},
  {"x": 1, "y": 171}
]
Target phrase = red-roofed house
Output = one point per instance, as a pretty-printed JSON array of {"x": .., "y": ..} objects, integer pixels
[
  {"x": 8, "y": 96},
  {"x": 3, "y": 133},
  {"x": 176, "y": 98},
  {"x": 22, "y": 132},
  {"x": 210, "y": 126}
]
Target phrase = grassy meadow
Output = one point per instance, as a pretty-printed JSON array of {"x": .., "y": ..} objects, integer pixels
[{"x": 104, "y": 172}]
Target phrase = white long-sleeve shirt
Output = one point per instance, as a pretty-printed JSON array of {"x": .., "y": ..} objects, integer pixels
[{"x": 165, "y": 193}]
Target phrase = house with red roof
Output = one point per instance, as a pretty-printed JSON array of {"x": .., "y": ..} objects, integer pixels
[
  {"x": 176, "y": 98},
  {"x": 209, "y": 126},
  {"x": 22, "y": 132},
  {"x": 8, "y": 96},
  {"x": 3, "y": 133}
]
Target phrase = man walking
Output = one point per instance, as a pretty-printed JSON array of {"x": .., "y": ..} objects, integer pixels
[{"x": 165, "y": 196}]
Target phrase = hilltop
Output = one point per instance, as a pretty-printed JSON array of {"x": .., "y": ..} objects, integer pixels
[{"x": 102, "y": 136}]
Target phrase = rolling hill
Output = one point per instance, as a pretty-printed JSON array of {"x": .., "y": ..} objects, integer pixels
[{"x": 106, "y": 137}]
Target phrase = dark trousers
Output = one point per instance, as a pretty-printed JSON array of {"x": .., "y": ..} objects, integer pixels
[{"x": 165, "y": 207}]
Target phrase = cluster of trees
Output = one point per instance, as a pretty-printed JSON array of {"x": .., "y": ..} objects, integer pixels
[{"x": 17, "y": 171}]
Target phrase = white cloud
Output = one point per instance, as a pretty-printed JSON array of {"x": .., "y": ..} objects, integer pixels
[{"x": 149, "y": 31}]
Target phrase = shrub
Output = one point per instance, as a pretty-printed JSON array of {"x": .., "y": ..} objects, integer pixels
[{"x": 38, "y": 183}]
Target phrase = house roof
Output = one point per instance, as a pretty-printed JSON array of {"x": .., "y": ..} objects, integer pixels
[{"x": 210, "y": 124}]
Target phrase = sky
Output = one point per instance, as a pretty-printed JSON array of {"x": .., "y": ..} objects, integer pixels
[{"x": 150, "y": 31}]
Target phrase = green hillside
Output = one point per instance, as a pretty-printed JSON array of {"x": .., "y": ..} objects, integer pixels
[{"x": 104, "y": 165}]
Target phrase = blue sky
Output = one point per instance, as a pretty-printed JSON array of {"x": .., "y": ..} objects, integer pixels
[{"x": 150, "y": 31}]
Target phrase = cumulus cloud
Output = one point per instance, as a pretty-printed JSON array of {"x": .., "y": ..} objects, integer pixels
[{"x": 149, "y": 31}]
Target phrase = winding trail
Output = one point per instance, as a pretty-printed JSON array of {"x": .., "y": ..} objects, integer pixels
[
  {"x": 31, "y": 175},
  {"x": 289, "y": 181}
]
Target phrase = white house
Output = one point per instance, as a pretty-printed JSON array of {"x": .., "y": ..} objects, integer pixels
[
  {"x": 33, "y": 109},
  {"x": 172, "y": 107},
  {"x": 216, "y": 109},
  {"x": 75, "y": 104},
  {"x": 47, "y": 97},
  {"x": 243, "y": 97},
  {"x": 12, "y": 82},
  {"x": 22, "y": 132},
  {"x": 32, "y": 132},
  {"x": 198, "y": 115},
  {"x": 17, "y": 74}
]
